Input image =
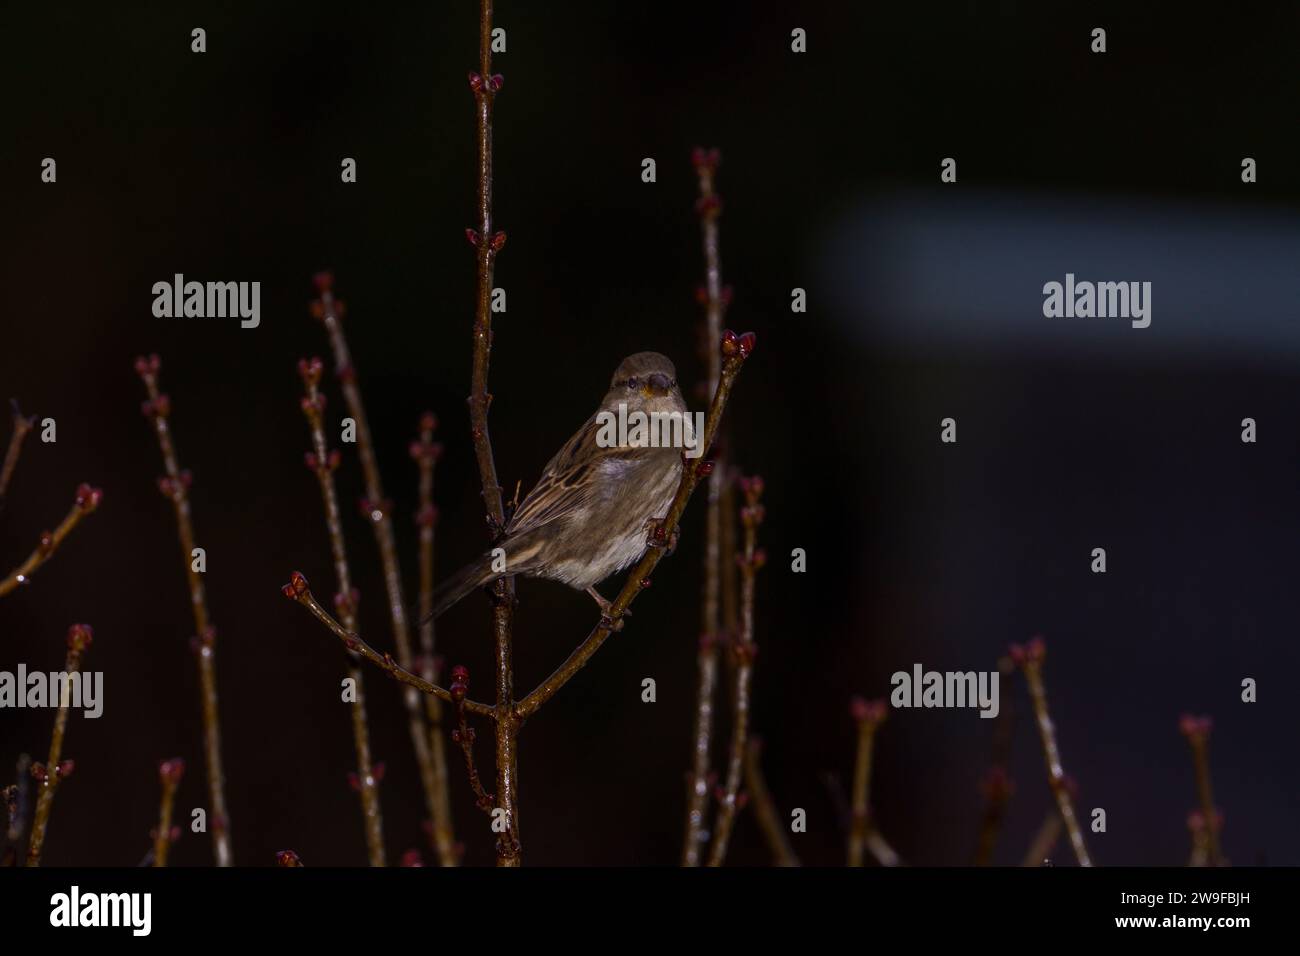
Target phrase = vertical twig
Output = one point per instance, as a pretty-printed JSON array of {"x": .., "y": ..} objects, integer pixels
[
  {"x": 1197, "y": 731},
  {"x": 868, "y": 715},
  {"x": 323, "y": 462},
  {"x": 426, "y": 453},
  {"x": 1040, "y": 850},
  {"x": 377, "y": 509},
  {"x": 86, "y": 501},
  {"x": 485, "y": 85},
  {"x": 769, "y": 820},
  {"x": 1029, "y": 659},
  {"x": 17, "y": 805},
  {"x": 55, "y": 770},
  {"x": 997, "y": 786},
  {"x": 175, "y": 487},
  {"x": 743, "y": 650},
  {"x": 714, "y": 298},
  {"x": 169, "y": 775},
  {"x": 22, "y": 425}
]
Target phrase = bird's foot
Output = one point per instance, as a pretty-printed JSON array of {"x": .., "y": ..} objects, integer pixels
[
  {"x": 607, "y": 619},
  {"x": 656, "y": 537}
]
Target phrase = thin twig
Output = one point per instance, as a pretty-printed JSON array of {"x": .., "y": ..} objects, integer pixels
[
  {"x": 1040, "y": 850},
  {"x": 17, "y": 805},
  {"x": 765, "y": 812},
  {"x": 86, "y": 501},
  {"x": 323, "y": 463},
  {"x": 487, "y": 243},
  {"x": 997, "y": 786},
  {"x": 1197, "y": 731},
  {"x": 463, "y": 735},
  {"x": 299, "y": 590},
  {"x": 426, "y": 453},
  {"x": 1030, "y": 660},
  {"x": 735, "y": 350},
  {"x": 22, "y": 425},
  {"x": 169, "y": 775},
  {"x": 884, "y": 853},
  {"x": 55, "y": 770},
  {"x": 175, "y": 487},
  {"x": 378, "y": 511},
  {"x": 743, "y": 650},
  {"x": 711, "y": 295},
  {"x": 1200, "y": 854},
  {"x": 868, "y": 715}
]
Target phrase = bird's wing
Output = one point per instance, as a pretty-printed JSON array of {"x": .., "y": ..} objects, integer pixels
[{"x": 566, "y": 484}]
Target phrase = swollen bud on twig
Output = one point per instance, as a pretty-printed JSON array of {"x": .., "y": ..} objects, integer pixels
[
  {"x": 705, "y": 159},
  {"x": 1195, "y": 728},
  {"x": 147, "y": 366},
  {"x": 287, "y": 858},
  {"x": 310, "y": 370},
  {"x": 1031, "y": 653},
  {"x": 80, "y": 637},
  {"x": 171, "y": 771},
  {"x": 459, "y": 682},
  {"x": 734, "y": 345},
  {"x": 296, "y": 587},
  {"x": 323, "y": 281},
  {"x": 868, "y": 711}
]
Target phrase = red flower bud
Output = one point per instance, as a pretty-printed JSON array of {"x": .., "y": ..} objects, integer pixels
[
  {"x": 412, "y": 858},
  {"x": 80, "y": 637},
  {"x": 287, "y": 858},
  {"x": 708, "y": 205},
  {"x": 310, "y": 369},
  {"x": 472, "y": 236},
  {"x": 498, "y": 241},
  {"x": 730, "y": 343},
  {"x": 747, "y": 342},
  {"x": 704, "y": 469},
  {"x": 88, "y": 498},
  {"x": 171, "y": 771},
  {"x": 495, "y": 82},
  {"x": 147, "y": 366},
  {"x": 476, "y": 82},
  {"x": 324, "y": 281},
  {"x": 296, "y": 587}
]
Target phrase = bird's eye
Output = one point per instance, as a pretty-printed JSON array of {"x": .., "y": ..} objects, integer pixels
[{"x": 632, "y": 382}]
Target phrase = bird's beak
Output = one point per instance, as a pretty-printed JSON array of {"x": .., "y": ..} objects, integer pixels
[{"x": 656, "y": 385}]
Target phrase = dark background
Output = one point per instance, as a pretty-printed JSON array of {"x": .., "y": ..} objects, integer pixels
[{"x": 226, "y": 166}]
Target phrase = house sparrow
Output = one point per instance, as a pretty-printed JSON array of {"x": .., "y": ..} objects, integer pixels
[{"x": 590, "y": 513}]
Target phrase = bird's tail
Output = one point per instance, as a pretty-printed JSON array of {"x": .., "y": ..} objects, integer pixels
[{"x": 473, "y": 575}]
